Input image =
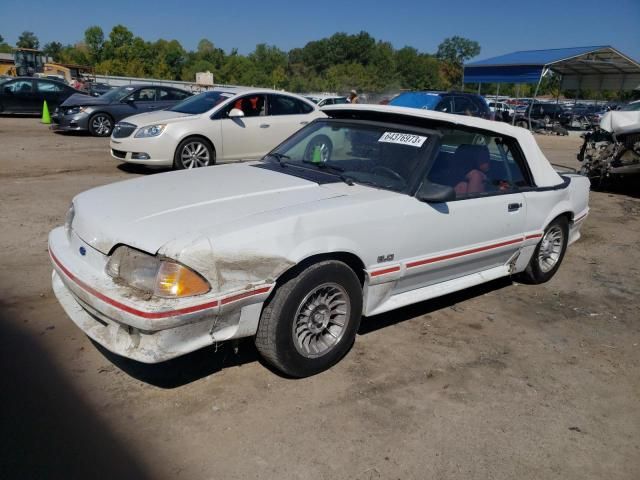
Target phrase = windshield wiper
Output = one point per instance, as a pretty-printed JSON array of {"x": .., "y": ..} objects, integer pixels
[
  {"x": 281, "y": 157},
  {"x": 337, "y": 171}
]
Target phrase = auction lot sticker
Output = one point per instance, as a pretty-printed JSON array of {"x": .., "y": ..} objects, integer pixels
[{"x": 403, "y": 139}]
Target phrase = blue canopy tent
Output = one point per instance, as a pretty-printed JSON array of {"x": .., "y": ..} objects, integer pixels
[{"x": 595, "y": 68}]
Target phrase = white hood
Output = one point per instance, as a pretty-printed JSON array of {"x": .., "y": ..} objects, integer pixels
[
  {"x": 160, "y": 116},
  {"x": 621, "y": 122},
  {"x": 148, "y": 212}
]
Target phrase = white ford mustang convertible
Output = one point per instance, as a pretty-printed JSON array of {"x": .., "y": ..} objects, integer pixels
[{"x": 363, "y": 212}]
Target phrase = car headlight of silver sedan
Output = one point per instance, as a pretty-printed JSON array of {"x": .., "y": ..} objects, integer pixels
[
  {"x": 74, "y": 110},
  {"x": 160, "y": 277},
  {"x": 150, "y": 131}
]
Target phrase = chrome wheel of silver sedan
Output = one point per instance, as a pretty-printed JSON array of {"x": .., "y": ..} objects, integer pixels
[
  {"x": 550, "y": 248},
  {"x": 320, "y": 320},
  {"x": 195, "y": 154},
  {"x": 100, "y": 125}
]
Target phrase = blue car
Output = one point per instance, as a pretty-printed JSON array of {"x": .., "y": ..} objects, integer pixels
[{"x": 449, "y": 102}]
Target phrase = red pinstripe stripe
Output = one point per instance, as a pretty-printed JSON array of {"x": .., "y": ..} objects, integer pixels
[
  {"x": 535, "y": 235},
  {"x": 153, "y": 315},
  {"x": 427, "y": 261},
  {"x": 240, "y": 296},
  {"x": 384, "y": 271}
]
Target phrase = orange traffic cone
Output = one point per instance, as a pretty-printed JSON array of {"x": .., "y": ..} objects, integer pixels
[{"x": 46, "y": 118}]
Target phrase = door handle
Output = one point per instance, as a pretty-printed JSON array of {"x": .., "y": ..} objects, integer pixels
[
  {"x": 514, "y": 207},
  {"x": 304, "y": 123},
  {"x": 264, "y": 125}
]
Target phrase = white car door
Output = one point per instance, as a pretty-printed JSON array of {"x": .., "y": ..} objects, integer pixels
[
  {"x": 287, "y": 115},
  {"x": 246, "y": 137},
  {"x": 483, "y": 228}
]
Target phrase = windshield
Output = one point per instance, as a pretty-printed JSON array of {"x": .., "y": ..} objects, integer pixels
[
  {"x": 379, "y": 155},
  {"x": 201, "y": 103},
  {"x": 117, "y": 94},
  {"x": 428, "y": 101}
]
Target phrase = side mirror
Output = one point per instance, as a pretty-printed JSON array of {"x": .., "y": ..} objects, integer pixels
[
  {"x": 129, "y": 100},
  {"x": 435, "y": 193},
  {"x": 236, "y": 113}
]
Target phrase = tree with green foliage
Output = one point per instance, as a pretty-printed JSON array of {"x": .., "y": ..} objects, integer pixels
[
  {"x": 4, "y": 46},
  {"x": 53, "y": 50},
  {"x": 94, "y": 39},
  {"x": 28, "y": 40},
  {"x": 453, "y": 52}
]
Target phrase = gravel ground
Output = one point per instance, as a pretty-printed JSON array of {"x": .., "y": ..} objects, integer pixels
[{"x": 503, "y": 381}]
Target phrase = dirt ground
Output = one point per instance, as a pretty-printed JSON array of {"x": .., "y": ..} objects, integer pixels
[{"x": 505, "y": 381}]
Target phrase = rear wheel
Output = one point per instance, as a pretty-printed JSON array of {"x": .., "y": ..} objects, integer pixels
[
  {"x": 548, "y": 254},
  {"x": 194, "y": 153},
  {"x": 311, "y": 321},
  {"x": 100, "y": 125}
]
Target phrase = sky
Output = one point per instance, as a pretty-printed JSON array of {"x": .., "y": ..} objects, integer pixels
[{"x": 499, "y": 26}]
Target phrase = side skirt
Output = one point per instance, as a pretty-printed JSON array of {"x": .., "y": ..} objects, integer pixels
[{"x": 432, "y": 291}]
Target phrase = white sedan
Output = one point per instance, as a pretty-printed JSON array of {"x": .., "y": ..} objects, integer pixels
[
  {"x": 366, "y": 211},
  {"x": 218, "y": 125}
]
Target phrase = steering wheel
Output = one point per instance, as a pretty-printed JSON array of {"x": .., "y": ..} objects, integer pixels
[{"x": 389, "y": 173}]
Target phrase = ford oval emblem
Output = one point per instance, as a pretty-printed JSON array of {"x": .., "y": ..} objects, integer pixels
[{"x": 83, "y": 251}]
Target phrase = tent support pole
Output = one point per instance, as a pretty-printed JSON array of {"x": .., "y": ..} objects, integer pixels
[
  {"x": 513, "y": 117},
  {"x": 534, "y": 97}
]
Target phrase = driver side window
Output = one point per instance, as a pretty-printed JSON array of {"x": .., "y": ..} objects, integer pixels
[
  {"x": 477, "y": 164},
  {"x": 251, "y": 106},
  {"x": 144, "y": 95}
]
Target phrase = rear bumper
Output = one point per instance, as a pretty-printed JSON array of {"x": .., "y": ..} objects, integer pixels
[{"x": 148, "y": 331}]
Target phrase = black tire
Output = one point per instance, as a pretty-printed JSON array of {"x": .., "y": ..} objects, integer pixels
[
  {"x": 522, "y": 123},
  {"x": 276, "y": 340},
  {"x": 204, "y": 159},
  {"x": 101, "y": 124},
  {"x": 534, "y": 273},
  {"x": 326, "y": 148}
]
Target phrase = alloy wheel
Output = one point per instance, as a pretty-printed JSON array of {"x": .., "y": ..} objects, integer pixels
[
  {"x": 550, "y": 248},
  {"x": 320, "y": 320},
  {"x": 195, "y": 154},
  {"x": 101, "y": 124}
]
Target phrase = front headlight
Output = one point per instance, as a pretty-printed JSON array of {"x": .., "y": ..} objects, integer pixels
[
  {"x": 150, "y": 131},
  {"x": 74, "y": 110},
  {"x": 153, "y": 275}
]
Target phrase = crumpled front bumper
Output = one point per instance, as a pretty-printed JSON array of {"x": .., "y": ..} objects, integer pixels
[
  {"x": 69, "y": 123},
  {"x": 149, "y": 331}
]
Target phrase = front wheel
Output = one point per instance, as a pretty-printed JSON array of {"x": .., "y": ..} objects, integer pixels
[
  {"x": 193, "y": 153},
  {"x": 311, "y": 321},
  {"x": 548, "y": 254},
  {"x": 100, "y": 125}
]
